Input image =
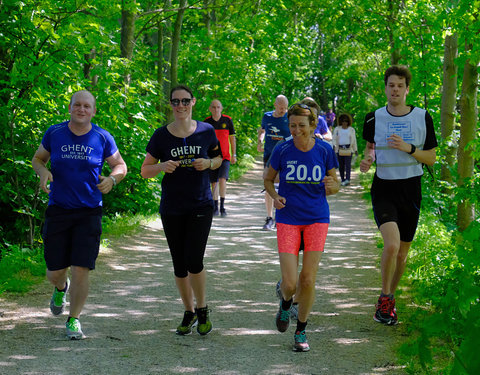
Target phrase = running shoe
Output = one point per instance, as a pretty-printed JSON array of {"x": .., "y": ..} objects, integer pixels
[
  {"x": 269, "y": 224},
  {"x": 383, "y": 311},
  {"x": 294, "y": 312},
  {"x": 204, "y": 323},
  {"x": 301, "y": 343},
  {"x": 294, "y": 308},
  {"x": 393, "y": 313},
  {"x": 282, "y": 319},
  {"x": 189, "y": 321},
  {"x": 59, "y": 299},
  {"x": 223, "y": 213},
  {"x": 278, "y": 289},
  {"x": 74, "y": 329}
]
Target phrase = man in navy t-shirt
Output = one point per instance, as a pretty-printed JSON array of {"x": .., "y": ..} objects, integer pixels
[
  {"x": 274, "y": 129},
  {"x": 77, "y": 150}
]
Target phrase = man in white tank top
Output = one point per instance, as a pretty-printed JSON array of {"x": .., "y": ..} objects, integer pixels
[{"x": 400, "y": 138}]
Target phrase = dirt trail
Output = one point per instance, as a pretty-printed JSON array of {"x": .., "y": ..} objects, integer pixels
[{"x": 133, "y": 307}]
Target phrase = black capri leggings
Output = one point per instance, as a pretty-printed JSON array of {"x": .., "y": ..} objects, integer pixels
[{"x": 187, "y": 236}]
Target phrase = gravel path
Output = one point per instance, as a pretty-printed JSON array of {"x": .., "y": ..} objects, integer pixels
[{"x": 133, "y": 307}]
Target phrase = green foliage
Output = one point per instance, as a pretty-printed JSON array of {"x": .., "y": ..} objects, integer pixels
[
  {"x": 445, "y": 276},
  {"x": 120, "y": 225},
  {"x": 20, "y": 268}
]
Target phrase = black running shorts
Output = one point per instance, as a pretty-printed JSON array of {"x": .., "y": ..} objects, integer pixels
[
  {"x": 398, "y": 201},
  {"x": 71, "y": 237},
  {"x": 221, "y": 172}
]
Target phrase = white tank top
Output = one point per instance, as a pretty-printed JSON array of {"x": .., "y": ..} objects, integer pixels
[{"x": 394, "y": 164}]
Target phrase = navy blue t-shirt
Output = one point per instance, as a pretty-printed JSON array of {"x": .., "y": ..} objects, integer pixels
[
  {"x": 186, "y": 189},
  {"x": 276, "y": 130}
]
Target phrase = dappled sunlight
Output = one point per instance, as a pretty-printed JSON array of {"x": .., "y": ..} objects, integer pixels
[
  {"x": 248, "y": 332},
  {"x": 144, "y": 333},
  {"x": 134, "y": 307},
  {"x": 346, "y": 341}
]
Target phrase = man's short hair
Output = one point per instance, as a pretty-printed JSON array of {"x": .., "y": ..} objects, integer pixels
[
  {"x": 84, "y": 92},
  {"x": 398, "y": 70}
]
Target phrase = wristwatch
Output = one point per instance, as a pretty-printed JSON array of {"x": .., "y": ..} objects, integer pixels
[
  {"x": 211, "y": 163},
  {"x": 114, "y": 180},
  {"x": 412, "y": 150}
]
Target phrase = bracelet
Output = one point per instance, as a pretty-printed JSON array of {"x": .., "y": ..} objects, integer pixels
[
  {"x": 412, "y": 150},
  {"x": 211, "y": 163},
  {"x": 114, "y": 180}
]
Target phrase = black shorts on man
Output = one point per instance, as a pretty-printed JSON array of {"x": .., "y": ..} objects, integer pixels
[{"x": 71, "y": 237}]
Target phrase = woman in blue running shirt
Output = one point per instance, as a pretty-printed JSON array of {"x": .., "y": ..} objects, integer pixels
[
  {"x": 186, "y": 150},
  {"x": 306, "y": 167}
]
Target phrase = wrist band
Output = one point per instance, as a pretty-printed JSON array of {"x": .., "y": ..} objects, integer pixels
[
  {"x": 412, "y": 150},
  {"x": 114, "y": 180}
]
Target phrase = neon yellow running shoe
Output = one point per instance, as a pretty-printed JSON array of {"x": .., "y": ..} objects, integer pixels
[
  {"x": 204, "y": 324},
  {"x": 59, "y": 299},
  {"x": 74, "y": 329},
  {"x": 189, "y": 321}
]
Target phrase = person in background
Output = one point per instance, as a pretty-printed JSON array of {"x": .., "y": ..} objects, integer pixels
[
  {"x": 225, "y": 132},
  {"x": 330, "y": 118},
  {"x": 274, "y": 129},
  {"x": 186, "y": 150},
  {"x": 345, "y": 145},
  {"x": 306, "y": 167},
  {"x": 400, "y": 138},
  {"x": 322, "y": 130},
  {"x": 77, "y": 150}
]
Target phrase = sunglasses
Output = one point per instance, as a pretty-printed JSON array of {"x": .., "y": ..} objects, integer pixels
[
  {"x": 185, "y": 102},
  {"x": 300, "y": 105}
]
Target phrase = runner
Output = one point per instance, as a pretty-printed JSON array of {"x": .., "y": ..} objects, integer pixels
[{"x": 306, "y": 167}]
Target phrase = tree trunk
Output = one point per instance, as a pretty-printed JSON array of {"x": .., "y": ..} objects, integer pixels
[
  {"x": 207, "y": 17},
  {"x": 395, "y": 52},
  {"x": 87, "y": 67},
  {"x": 164, "y": 52},
  {"x": 176, "y": 44},
  {"x": 322, "y": 99},
  {"x": 447, "y": 114},
  {"x": 468, "y": 123}
]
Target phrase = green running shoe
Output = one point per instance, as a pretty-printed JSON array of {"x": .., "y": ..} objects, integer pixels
[
  {"x": 74, "y": 329},
  {"x": 59, "y": 300},
  {"x": 189, "y": 321},
  {"x": 204, "y": 323}
]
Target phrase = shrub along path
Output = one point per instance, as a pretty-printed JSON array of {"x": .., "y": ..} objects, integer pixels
[{"x": 133, "y": 307}]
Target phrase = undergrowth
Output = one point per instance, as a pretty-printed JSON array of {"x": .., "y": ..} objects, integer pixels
[{"x": 22, "y": 267}]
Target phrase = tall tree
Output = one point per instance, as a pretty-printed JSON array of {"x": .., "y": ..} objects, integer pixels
[
  {"x": 468, "y": 128},
  {"x": 127, "y": 41},
  {"x": 449, "y": 100},
  {"x": 177, "y": 29}
]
